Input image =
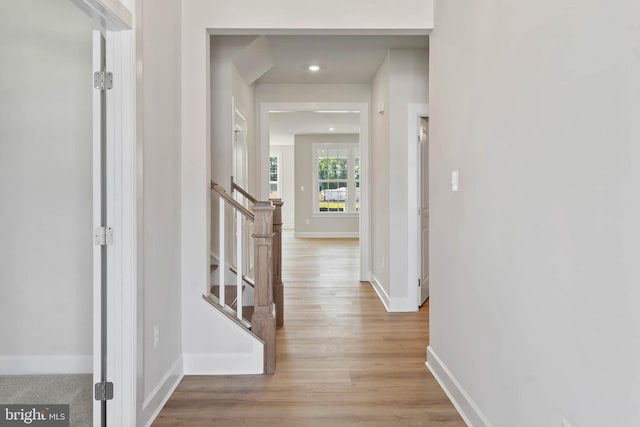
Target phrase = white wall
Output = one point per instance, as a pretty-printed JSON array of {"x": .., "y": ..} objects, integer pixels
[
  {"x": 409, "y": 84},
  {"x": 45, "y": 188},
  {"x": 402, "y": 80},
  {"x": 228, "y": 89},
  {"x": 287, "y": 187},
  {"x": 159, "y": 56},
  {"x": 320, "y": 225},
  {"x": 534, "y": 262}
]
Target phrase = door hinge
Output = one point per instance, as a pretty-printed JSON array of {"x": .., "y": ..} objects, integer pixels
[
  {"x": 104, "y": 391},
  {"x": 103, "y": 236},
  {"x": 419, "y": 284},
  {"x": 103, "y": 80}
]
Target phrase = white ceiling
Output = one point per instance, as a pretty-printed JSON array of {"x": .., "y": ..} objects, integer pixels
[
  {"x": 343, "y": 59},
  {"x": 305, "y": 122}
]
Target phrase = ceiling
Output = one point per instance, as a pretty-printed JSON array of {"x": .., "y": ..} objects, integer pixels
[
  {"x": 305, "y": 122},
  {"x": 343, "y": 59},
  {"x": 346, "y": 59}
]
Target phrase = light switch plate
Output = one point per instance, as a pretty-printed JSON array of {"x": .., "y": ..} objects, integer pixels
[{"x": 455, "y": 180}]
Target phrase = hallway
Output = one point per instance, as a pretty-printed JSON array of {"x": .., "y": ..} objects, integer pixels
[{"x": 342, "y": 360}]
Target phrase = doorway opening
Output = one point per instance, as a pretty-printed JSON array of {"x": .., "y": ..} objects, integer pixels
[
  {"x": 324, "y": 166},
  {"x": 47, "y": 204}
]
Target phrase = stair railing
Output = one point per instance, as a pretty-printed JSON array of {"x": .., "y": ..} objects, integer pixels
[
  {"x": 278, "y": 286},
  {"x": 261, "y": 215},
  {"x": 239, "y": 212}
]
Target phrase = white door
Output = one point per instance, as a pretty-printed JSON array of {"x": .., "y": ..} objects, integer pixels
[{"x": 424, "y": 209}]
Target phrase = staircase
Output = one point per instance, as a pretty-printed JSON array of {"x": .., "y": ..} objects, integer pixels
[{"x": 246, "y": 282}]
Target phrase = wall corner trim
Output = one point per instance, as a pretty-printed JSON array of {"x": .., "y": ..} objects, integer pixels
[{"x": 464, "y": 404}]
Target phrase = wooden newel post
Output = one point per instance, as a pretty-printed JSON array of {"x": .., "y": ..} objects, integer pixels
[
  {"x": 278, "y": 288},
  {"x": 263, "y": 322}
]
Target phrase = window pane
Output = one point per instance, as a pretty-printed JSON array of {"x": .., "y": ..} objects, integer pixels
[
  {"x": 336, "y": 172},
  {"x": 323, "y": 167},
  {"x": 342, "y": 168}
]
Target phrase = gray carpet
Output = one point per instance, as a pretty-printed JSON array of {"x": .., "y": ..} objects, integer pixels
[{"x": 75, "y": 390}]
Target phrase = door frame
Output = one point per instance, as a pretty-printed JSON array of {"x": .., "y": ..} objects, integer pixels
[
  {"x": 416, "y": 111},
  {"x": 125, "y": 184},
  {"x": 363, "y": 139}
]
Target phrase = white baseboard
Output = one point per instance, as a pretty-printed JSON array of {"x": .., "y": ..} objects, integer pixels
[
  {"x": 392, "y": 304},
  {"x": 225, "y": 364},
  {"x": 469, "y": 411},
  {"x": 402, "y": 305},
  {"x": 382, "y": 294},
  {"x": 326, "y": 235},
  {"x": 46, "y": 364},
  {"x": 159, "y": 396}
]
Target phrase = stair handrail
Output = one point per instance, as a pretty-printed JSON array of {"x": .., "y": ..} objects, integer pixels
[
  {"x": 220, "y": 191},
  {"x": 245, "y": 193}
]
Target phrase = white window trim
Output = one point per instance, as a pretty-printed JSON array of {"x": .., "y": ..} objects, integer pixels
[
  {"x": 278, "y": 155},
  {"x": 351, "y": 182}
]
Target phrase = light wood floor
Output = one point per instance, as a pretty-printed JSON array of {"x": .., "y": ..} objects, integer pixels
[{"x": 342, "y": 360}]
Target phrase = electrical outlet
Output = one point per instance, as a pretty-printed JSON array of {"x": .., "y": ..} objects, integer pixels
[
  {"x": 156, "y": 336},
  {"x": 307, "y": 221}
]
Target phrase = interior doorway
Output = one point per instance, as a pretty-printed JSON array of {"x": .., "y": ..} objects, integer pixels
[
  {"x": 361, "y": 195},
  {"x": 46, "y": 168}
]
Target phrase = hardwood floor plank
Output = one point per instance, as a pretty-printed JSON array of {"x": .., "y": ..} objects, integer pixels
[{"x": 342, "y": 360}]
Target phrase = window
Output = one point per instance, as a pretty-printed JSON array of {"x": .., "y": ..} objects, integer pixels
[
  {"x": 337, "y": 178},
  {"x": 274, "y": 176}
]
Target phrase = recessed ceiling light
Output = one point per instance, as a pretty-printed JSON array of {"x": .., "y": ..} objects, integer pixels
[
  {"x": 314, "y": 68},
  {"x": 332, "y": 129}
]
